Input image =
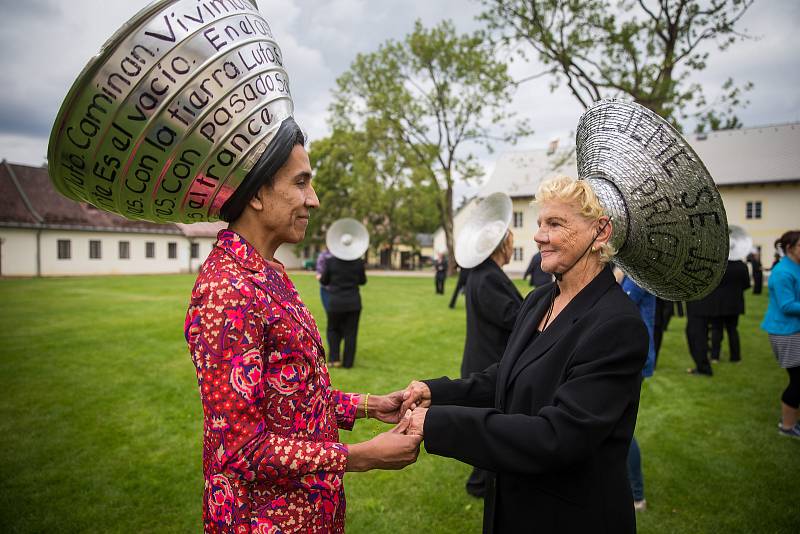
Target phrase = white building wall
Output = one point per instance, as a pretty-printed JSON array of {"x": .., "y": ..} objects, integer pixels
[
  {"x": 17, "y": 252},
  {"x": 109, "y": 262},
  {"x": 523, "y": 235}
]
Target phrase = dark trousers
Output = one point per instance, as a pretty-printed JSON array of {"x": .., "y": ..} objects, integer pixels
[
  {"x": 697, "y": 337},
  {"x": 729, "y": 322},
  {"x": 343, "y": 325},
  {"x": 791, "y": 395},
  {"x": 440, "y": 278}
]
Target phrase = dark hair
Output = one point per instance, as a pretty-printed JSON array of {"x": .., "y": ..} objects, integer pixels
[
  {"x": 788, "y": 239},
  {"x": 263, "y": 172}
]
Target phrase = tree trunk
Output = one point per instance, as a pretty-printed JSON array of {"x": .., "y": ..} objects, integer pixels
[{"x": 447, "y": 217}]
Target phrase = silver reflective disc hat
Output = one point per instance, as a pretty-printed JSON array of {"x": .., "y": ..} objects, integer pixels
[
  {"x": 740, "y": 243},
  {"x": 347, "y": 239},
  {"x": 670, "y": 227},
  {"x": 165, "y": 122},
  {"x": 484, "y": 230}
]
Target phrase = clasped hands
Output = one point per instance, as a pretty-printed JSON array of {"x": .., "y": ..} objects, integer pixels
[{"x": 398, "y": 447}]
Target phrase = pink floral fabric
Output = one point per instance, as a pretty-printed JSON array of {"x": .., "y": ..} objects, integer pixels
[{"x": 272, "y": 459}]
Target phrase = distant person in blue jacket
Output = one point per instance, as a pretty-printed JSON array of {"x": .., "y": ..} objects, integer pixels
[
  {"x": 782, "y": 323},
  {"x": 646, "y": 302}
]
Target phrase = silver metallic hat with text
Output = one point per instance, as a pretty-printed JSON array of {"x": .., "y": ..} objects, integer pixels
[
  {"x": 670, "y": 227},
  {"x": 484, "y": 230},
  {"x": 169, "y": 118}
]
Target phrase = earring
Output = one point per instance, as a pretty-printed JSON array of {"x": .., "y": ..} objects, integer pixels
[{"x": 594, "y": 249}]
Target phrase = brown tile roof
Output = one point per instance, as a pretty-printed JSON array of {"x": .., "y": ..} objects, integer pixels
[{"x": 55, "y": 210}]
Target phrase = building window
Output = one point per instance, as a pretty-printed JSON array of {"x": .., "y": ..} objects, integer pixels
[
  {"x": 94, "y": 250},
  {"x": 124, "y": 250},
  {"x": 517, "y": 219},
  {"x": 64, "y": 249},
  {"x": 194, "y": 250},
  {"x": 753, "y": 210},
  {"x": 518, "y": 254},
  {"x": 172, "y": 250},
  {"x": 149, "y": 249}
]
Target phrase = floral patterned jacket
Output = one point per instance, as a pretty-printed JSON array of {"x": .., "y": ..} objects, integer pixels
[{"x": 272, "y": 460}]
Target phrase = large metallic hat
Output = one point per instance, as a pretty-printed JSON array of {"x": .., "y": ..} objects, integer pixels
[
  {"x": 484, "y": 230},
  {"x": 165, "y": 122},
  {"x": 347, "y": 239},
  {"x": 670, "y": 228},
  {"x": 740, "y": 243}
]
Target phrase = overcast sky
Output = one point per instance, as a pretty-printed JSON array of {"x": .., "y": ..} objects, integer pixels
[{"x": 44, "y": 44}]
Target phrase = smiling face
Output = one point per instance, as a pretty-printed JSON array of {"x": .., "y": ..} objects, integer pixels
[
  {"x": 563, "y": 235},
  {"x": 284, "y": 208}
]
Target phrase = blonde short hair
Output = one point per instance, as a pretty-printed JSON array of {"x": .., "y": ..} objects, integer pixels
[{"x": 579, "y": 194}]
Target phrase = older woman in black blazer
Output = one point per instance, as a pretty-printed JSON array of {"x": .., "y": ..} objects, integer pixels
[{"x": 554, "y": 419}]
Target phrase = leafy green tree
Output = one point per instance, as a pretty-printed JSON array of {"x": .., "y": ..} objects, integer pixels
[
  {"x": 647, "y": 50},
  {"x": 430, "y": 98},
  {"x": 356, "y": 176}
]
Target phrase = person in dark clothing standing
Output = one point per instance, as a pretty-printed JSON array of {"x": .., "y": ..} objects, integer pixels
[
  {"x": 463, "y": 275},
  {"x": 440, "y": 266},
  {"x": 729, "y": 302},
  {"x": 534, "y": 270},
  {"x": 758, "y": 272},
  {"x": 493, "y": 302},
  {"x": 698, "y": 318},
  {"x": 342, "y": 279}
]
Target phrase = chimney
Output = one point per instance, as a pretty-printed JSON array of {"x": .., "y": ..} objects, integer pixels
[{"x": 552, "y": 146}]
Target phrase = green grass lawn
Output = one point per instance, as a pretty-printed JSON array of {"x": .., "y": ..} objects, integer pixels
[{"x": 101, "y": 419}]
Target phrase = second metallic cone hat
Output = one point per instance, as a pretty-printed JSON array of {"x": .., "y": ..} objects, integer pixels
[
  {"x": 347, "y": 239},
  {"x": 670, "y": 228},
  {"x": 177, "y": 107},
  {"x": 484, "y": 230}
]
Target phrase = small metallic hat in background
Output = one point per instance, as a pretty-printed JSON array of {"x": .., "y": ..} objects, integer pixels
[
  {"x": 669, "y": 223},
  {"x": 741, "y": 244},
  {"x": 347, "y": 239},
  {"x": 166, "y": 121},
  {"x": 484, "y": 230}
]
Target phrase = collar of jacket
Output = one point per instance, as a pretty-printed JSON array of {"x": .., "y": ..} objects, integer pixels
[
  {"x": 520, "y": 353},
  {"x": 271, "y": 277}
]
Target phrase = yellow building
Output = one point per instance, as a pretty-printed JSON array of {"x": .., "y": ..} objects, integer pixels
[{"x": 757, "y": 171}]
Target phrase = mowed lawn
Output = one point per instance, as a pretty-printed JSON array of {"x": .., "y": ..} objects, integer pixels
[{"x": 100, "y": 417}]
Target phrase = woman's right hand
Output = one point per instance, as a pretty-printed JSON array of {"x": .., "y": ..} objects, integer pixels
[
  {"x": 417, "y": 394},
  {"x": 390, "y": 450}
]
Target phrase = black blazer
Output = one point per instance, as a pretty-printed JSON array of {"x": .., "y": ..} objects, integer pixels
[
  {"x": 342, "y": 279},
  {"x": 730, "y": 298},
  {"x": 492, "y": 306},
  {"x": 554, "y": 419}
]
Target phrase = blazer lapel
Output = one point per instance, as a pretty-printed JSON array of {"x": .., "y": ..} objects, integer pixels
[
  {"x": 520, "y": 339},
  {"x": 582, "y": 302}
]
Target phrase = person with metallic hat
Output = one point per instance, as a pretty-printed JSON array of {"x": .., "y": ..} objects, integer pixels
[
  {"x": 554, "y": 419},
  {"x": 492, "y": 299},
  {"x": 271, "y": 451}
]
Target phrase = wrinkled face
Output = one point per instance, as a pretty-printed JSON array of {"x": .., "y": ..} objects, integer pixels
[
  {"x": 562, "y": 236},
  {"x": 287, "y": 204}
]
